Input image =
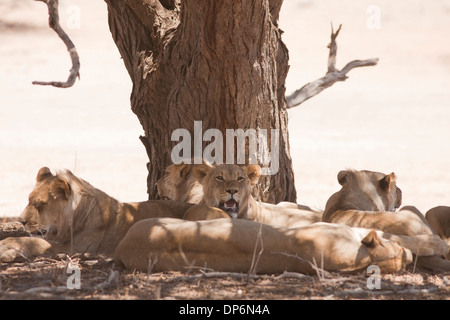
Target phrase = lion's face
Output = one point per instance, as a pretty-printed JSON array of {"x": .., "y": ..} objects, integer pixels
[
  {"x": 46, "y": 202},
  {"x": 227, "y": 186},
  {"x": 170, "y": 186},
  {"x": 179, "y": 184}
]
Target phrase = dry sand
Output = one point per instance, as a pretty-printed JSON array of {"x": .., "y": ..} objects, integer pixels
[{"x": 391, "y": 117}]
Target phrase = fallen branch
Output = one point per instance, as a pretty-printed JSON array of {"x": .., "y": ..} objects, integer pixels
[
  {"x": 53, "y": 22},
  {"x": 213, "y": 274},
  {"x": 296, "y": 275},
  {"x": 332, "y": 76}
]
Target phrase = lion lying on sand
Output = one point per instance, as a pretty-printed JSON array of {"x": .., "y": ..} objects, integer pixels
[
  {"x": 233, "y": 244},
  {"x": 81, "y": 218},
  {"x": 78, "y": 218},
  {"x": 367, "y": 199}
]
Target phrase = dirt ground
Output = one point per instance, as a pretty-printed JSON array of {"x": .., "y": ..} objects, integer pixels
[
  {"x": 52, "y": 277},
  {"x": 46, "y": 278},
  {"x": 391, "y": 117}
]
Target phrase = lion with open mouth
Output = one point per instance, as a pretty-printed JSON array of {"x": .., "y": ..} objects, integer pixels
[{"x": 227, "y": 187}]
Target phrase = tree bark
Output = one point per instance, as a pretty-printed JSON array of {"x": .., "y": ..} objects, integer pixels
[{"x": 219, "y": 62}]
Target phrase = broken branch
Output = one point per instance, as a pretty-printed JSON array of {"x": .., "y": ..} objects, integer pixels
[
  {"x": 332, "y": 76},
  {"x": 53, "y": 22}
]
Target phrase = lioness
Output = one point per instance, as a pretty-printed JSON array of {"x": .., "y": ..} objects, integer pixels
[
  {"x": 178, "y": 183},
  {"x": 228, "y": 187},
  {"x": 78, "y": 217},
  {"x": 236, "y": 244},
  {"x": 368, "y": 199}
]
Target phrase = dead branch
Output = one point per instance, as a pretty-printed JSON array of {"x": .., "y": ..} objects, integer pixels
[
  {"x": 53, "y": 22},
  {"x": 332, "y": 76},
  {"x": 213, "y": 274},
  {"x": 296, "y": 275}
]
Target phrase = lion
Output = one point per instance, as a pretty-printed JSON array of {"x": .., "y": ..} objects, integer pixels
[
  {"x": 228, "y": 187},
  {"x": 78, "y": 218},
  {"x": 439, "y": 220},
  {"x": 368, "y": 199},
  {"x": 237, "y": 245},
  {"x": 181, "y": 184},
  {"x": 259, "y": 239}
]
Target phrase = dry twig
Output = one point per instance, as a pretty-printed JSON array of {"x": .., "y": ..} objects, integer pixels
[
  {"x": 53, "y": 22},
  {"x": 213, "y": 274},
  {"x": 333, "y": 75},
  {"x": 320, "y": 271},
  {"x": 255, "y": 259}
]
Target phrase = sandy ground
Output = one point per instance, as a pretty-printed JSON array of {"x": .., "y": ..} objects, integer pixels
[{"x": 391, "y": 117}]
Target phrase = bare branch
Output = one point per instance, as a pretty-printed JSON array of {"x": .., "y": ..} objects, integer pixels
[
  {"x": 333, "y": 50},
  {"x": 53, "y": 22},
  {"x": 332, "y": 76}
]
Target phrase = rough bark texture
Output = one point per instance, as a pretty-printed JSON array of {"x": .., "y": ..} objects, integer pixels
[{"x": 219, "y": 62}]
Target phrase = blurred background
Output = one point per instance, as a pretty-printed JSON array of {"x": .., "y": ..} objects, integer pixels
[{"x": 393, "y": 117}]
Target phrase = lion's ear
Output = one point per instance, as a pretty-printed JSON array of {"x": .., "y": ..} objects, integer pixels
[
  {"x": 342, "y": 177},
  {"x": 179, "y": 170},
  {"x": 59, "y": 189},
  {"x": 253, "y": 172},
  {"x": 371, "y": 240},
  {"x": 388, "y": 182},
  {"x": 184, "y": 170},
  {"x": 201, "y": 170},
  {"x": 43, "y": 174}
]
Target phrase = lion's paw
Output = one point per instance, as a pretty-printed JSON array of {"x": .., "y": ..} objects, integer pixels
[
  {"x": 17, "y": 249},
  {"x": 11, "y": 255}
]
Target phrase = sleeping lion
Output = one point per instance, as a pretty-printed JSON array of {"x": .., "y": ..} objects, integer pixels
[{"x": 78, "y": 218}]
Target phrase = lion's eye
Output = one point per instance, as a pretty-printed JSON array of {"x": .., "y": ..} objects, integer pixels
[
  {"x": 240, "y": 179},
  {"x": 219, "y": 178}
]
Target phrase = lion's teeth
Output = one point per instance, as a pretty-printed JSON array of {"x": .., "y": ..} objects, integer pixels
[{"x": 230, "y": 204}]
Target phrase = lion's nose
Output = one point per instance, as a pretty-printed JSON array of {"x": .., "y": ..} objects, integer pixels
[
  {"x": 23, "y": 221},
  {"x": 231, "y": 191}
]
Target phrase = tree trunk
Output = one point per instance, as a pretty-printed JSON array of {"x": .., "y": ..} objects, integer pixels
[{"x": 219, "y": 62}]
